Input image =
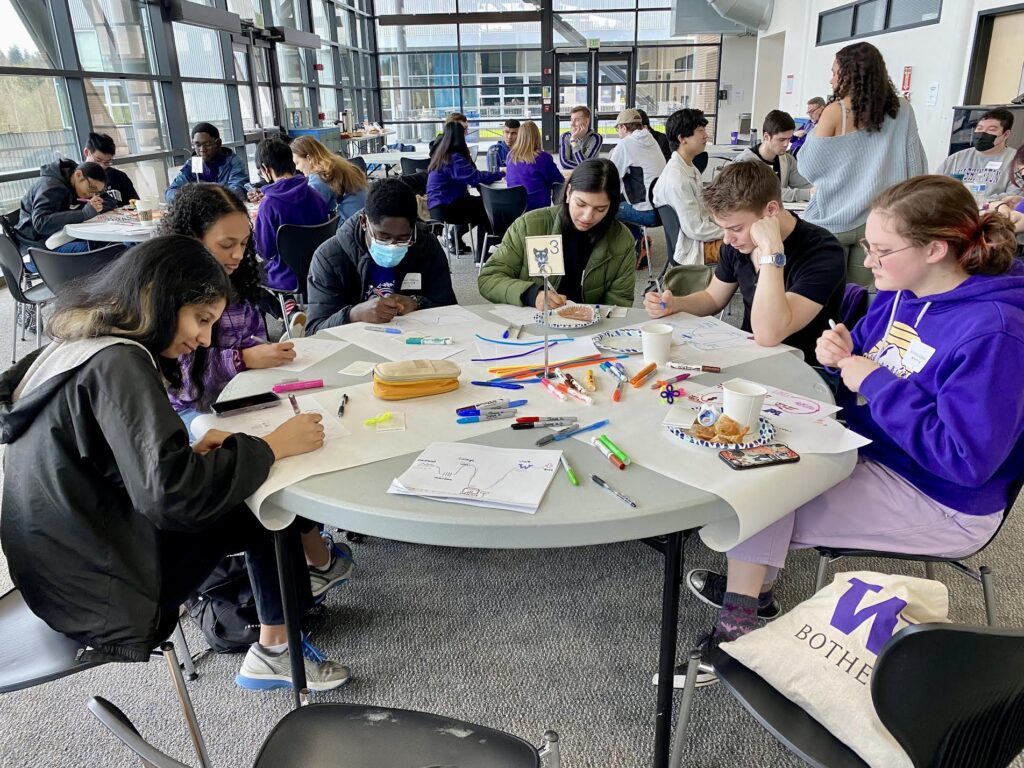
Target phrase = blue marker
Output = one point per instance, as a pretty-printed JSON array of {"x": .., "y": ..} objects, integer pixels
[
  {"x": 504, "y": 413},
  {"x": 382, "y": 330},
  {"x": 498, "y": 384},
  {"x": 489, "y": 405},
  {"x": 565, "y": 435},
  {"x": 484, "y": 411}
]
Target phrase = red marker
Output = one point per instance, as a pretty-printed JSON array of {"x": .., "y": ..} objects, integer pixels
[
  {"x": 617, "y": 394},
  {"x": 603, "y": 450}
]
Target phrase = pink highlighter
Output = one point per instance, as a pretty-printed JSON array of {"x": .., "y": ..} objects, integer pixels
[{"x": 293, "y": 386}]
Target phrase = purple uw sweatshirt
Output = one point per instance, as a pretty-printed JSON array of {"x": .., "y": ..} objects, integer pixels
[
  {"x": 287, "y": 201},
  {"x": 945, "y": 411}
]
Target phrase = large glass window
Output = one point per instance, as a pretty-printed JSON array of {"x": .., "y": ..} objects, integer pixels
[
  {"x": 28, "y": 36},
  {"x": 112, "y": 35},
  {"x": 130, "y": 111},
  {"x": 291, "y": 64},
  {"x": 208, "y": 102},
  {"x": 407, "y": 38},
  {"x": 35, "y": 122},
  {"x": 199, "y": 53}
]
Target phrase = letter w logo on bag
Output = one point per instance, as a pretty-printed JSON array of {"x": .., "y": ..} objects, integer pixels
[{"x": 847, "y": 618}]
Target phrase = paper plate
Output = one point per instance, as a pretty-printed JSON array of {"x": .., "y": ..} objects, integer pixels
[
  {"x": 564, "y": 323},
  {"x": 765, "y": 434},
  {"x": 622, "y": 340}
]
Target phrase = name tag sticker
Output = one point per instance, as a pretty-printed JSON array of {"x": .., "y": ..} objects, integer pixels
[
  {"x": 413, "y": 281},
  {"x": 917, "y": 356},
  {"x": 197, "y": 165},
  {"x": 993, "y": 165}
]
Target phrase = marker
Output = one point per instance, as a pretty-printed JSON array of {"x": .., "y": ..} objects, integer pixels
[
  {"x": 295, "y": 404},
  {"x": 432, "y": 340},
  {"x": 507, "y": 332},
  {"x": 552, "y": 424},
  {"x": 695, "y": 368},
  {"x": 543, "y": 420},
  {"x": 607, "y": 368},
  {"x": 380, "y": 418},
  {"x": 645, "y": 373},
  {"x": 497, "y": 384},
  {"x": 482, "y": 411},
  {"x": 603, "y": 450},
  {"x": 657, "y": 282},
  {"x": 612, "y": 491},
  {"x": 618, "y": 452},
  {"x": 341, "y": 405},
  {"x": 591, "y": 384},
  {"x": 569, "y": 380},
  {"x": 297, "y": 385},
  {"x": 831, "y": 323},
  {"x": 568, "y": 470},
  {"x": 617, "y": 394},
  {"x": 622, "y": 371},
  {"x": 555, "y": 389},
  {"x": 488, "y": 404},
  {"x": 382, "y": 330},
  {"x": 570, "y": 432},
  {"x": 674, "y": 380},
  {"x": 582, "y": 397},
  {"x": 506, "y": 413}
]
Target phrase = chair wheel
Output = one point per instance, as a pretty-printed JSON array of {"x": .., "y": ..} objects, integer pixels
[{"x": 354, "y": 537}]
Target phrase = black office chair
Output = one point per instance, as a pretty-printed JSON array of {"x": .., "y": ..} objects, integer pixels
[
  {"x": 645, "y": 227},
  {"x": 951, "y": 695},
  {"x": 361, "y": 736},
  {"x": 670, "y": 223},
  {"x": 359, "y": 163},
  {"x": 502, "y": 206},
  {"x": 411, "y": 165},
  {"x": 296, "y": 244},
  {"x": 983, "y": 575},
  {"x": 700, "y": 162},
  {"x": 58, "y": 269},
  {"x": 556, "y": 192},
  {"x": 25, "y": 293}
]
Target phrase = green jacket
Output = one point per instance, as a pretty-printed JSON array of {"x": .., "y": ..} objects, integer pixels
[{"x": 607, "y": 279}]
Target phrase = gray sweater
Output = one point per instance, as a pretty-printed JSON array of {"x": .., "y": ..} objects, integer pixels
[
  {"x": 795, "y": 188},
  {"x": 995, "y": 171},
  {"x": 849, "y": 171}
]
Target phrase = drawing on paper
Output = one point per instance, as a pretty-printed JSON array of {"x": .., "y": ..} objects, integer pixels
[
  {"x": 465, "y": 482},
  {"x": 544, "y": 257},
  {"x": 709, "y": 334},
  {"x": 776, "y": 403}
]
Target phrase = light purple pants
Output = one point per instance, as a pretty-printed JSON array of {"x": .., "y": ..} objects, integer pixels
[{"x": 873, "y": 508}]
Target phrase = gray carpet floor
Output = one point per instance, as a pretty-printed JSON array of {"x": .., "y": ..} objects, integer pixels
[{"x": 519, "y": 640}]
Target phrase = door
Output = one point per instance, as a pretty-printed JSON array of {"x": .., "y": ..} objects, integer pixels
[{"x": 601, "y": 80}]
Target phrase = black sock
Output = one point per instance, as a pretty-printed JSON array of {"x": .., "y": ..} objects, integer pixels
[
  {"x": 737, "y": 617},
  {"x": 765, "y": 598}
]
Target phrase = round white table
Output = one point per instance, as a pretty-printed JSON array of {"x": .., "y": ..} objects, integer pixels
[
  {"x": 112, "y": 227},
  {"x": 356, "y": 499}
]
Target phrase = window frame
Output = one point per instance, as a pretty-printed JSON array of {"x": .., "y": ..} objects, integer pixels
[{"x": 853, "y": 22}]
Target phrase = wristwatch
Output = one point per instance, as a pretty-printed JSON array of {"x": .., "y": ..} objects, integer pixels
[{"x": 774, "y": 259}]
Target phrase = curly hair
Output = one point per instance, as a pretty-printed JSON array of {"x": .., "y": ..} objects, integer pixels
[
  {"x": 864, "y": 78},
  {"x": 194, "y": 210}
]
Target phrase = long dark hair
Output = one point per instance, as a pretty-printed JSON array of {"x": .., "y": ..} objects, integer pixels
[
  {"x": 453, "y": 142},
  {"x": 864, "y": 78},
  {"x": 138, "y": 296},
  {"x": 194, "y": 210},
  {"x": 597, "y": 175}
]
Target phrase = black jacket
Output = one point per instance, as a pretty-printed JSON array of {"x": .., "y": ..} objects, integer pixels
[
  {"x": 50, "y": 204},
  {"x": 98, "y": 473},
  {"x": 120, "y": 187},
  {"x": 340, "y": 274}
]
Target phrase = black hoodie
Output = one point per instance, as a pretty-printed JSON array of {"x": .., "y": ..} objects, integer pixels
[
  {"x": 50, "y": 204},
  {"x": 98, "y": 478}
]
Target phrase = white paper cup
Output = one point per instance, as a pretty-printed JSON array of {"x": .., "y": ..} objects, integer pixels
[
  {"x": 742, "y": 401},
  {"x": 657, "y": 342}
]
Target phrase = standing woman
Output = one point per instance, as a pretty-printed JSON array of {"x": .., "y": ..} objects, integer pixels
[
  {"x": 598, "y": 250},
  {"x": 340, "y": 183},
  {"x": 531, "y": 167},
  {"x": 111, "y": 519},
  {"x": 865, "y": 141},
  {"x": 449, "y": 176}
]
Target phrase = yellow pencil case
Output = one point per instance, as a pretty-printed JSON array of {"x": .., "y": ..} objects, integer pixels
[{"x": 405, "y": 379}]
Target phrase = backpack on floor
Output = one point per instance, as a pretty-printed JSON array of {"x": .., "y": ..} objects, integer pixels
[{"x": 224, "y": 607}]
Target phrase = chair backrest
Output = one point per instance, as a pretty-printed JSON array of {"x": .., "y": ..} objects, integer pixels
[
  {"x": 411, "y": 165},
  {"x": 296, "y": 244},
  {"x": 670, "y": 222},
  {"x": 556, "y": 192},
  {"x": 32, "y": 653},
  {"x": 12, "y": 267},
  {"x": 9, "y": 224},
  {"x": 953, "y": 695},
  {"x": 633, "y": 183},
  {"x": 59, "y": 269},
  {"x": 502, "y": 206},
  {"x": 685, "y": 279},
  {"x": 854, "y": 305},
  {"x": 700, "y": 162},
  {"x": 118, "y": 724},
  {"x": 359, "y": 163}
]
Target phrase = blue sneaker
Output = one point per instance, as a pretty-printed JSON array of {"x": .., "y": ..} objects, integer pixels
[{"x": 263, "y": 670}]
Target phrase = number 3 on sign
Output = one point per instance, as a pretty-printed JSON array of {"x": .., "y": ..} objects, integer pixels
[{"x": 544, "y": 256}]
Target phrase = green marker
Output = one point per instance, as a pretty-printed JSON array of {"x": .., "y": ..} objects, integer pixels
[
  {"x": 568, "y": 470},
  {"x": 616, "y": 451}
]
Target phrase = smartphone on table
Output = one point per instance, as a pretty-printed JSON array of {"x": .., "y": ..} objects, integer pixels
[
  {"x": 761, "y": 456},
  {"x": 246, "y": 404}
]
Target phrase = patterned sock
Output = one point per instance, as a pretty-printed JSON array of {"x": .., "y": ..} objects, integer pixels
[{"x": 737, "y": 617}]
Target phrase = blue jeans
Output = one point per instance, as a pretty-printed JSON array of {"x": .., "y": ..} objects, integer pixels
[
  {"x": 634, "y": 219},
  {"x": 75, "y": 246}
]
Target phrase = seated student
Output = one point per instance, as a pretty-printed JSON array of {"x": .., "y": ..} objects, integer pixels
[
  {"x": 497, "y": 153},
  {"x": 659, "y": 137},
  {"x": 597, "y": 249},
  {"x": 777, "y": 132},
  {"x": 791, "y": 274},
  {"x": 111, "y": 519},
  {"x": 287, "y": 199},
  {"x": 220, "y": 164},
  {"x": 531, "y": 167},
  {"x": 579, "y": 143},
  {"x": 66, "y": 193},
  {"x": 382, "y": 263},
  {"x": 453, "y": 117},
  {"x": 636, "y": 149},
  {"x": 450, "y": 174},
  {"x": 815, "y": 106},
  {"x": 100, "y": 149},
  {"x": 679, "y": 187},
  {"x": 340, "y": 183},
  {"x": 947, "y": 325},
  {"x": 988, "y": 160}
]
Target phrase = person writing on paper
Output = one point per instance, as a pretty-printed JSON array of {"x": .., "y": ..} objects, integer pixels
[
  {"x": 100, "y": 149},
  {"x": 791, "y": 274},
  {"x": 111, "y": 519},
  {"x": 937, "y": 362},
  {"x": 383, "y": 262},
  {"x": 777, "y": 130},
  {"x": 65, "y": 193},
  {"x": 219, "y": 220},
  {"x": 597, "y": 249},
  {"x": 210, "y": 161}
]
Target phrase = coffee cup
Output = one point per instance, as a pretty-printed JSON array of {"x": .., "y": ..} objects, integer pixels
[
  {"x": 656, "y": 341},
  {"x": 742, "y": 402},
  {"x": 145, "y": 208}
]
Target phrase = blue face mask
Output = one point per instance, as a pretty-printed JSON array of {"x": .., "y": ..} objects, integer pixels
[{"x": 387, "y": 255}]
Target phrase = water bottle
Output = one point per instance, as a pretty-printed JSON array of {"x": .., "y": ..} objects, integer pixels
[{"x": 753, "y": 136}]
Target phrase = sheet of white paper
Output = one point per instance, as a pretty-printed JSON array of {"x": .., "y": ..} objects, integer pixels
[
  {"x": 309, "y": 352},
  {"x": 821, "y": 435},
  {"x": 426, "y": 321},
  {"x": 710, "y": 341},
  {"x": 358, "y": 368},
  {"x": 263, "y": 422},
  {"x": 507, "y": 478},
  {"x": 392, "y": 346},
  {"x": 517, "y": 315},
  {"x": 777, "y": 403}
]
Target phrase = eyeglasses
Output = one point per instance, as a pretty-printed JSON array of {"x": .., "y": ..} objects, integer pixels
[
  {"x": 203, "y": 144},
  {"x": 874, "y": 252},
  {"x": 388, "y": 240}
]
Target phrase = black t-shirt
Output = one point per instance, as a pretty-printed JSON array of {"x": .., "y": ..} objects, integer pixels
[
  {"x": 815, "y": 269},
  {"x": 774, "y": 163},
  {"x": 120, "y": 187}
]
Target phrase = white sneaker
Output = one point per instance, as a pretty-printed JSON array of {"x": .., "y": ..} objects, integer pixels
[
  {"x": 297, "y": 325},
  {"x": 336, "y": 572},
  {"x": 262, "y": 670}
]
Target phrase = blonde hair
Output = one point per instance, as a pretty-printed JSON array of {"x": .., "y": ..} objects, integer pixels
[
  {"x": 343, "y": 177},
  {"x": 526, "y": 148}
]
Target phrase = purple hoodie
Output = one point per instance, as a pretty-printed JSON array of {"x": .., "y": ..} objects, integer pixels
[
  {"x": 287, "y": 201},
  {"x": 951, "y": 423}
]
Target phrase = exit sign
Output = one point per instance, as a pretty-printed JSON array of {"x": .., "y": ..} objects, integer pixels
[{"x": 593, "y": 42}]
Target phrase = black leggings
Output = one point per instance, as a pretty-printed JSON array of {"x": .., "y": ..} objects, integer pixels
[{"x": 469, "y": 210}]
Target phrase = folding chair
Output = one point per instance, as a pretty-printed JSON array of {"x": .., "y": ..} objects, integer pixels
[
  {"x": 296, "y": 245},
  {"x": 502, "y": 206}
]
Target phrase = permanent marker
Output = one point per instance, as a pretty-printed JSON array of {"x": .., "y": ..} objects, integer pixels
[
  {"x": 341, "y": 405},
  {"x": 506, "y": 413},
  {"x": 558, "y": 390},
  {"x": 295, "y": 404},
  {"x": 618, "y": 452},
  {"x": 603, "y": 450},
  {"x": 540, "y": 420},
  {"x": 502, "y": 403},
  {"x": 674, "y": 380},
  {"x": 490, "y": 409},
  {"x": 570, "y": 432},
  {"x": 617, "y": 394},
  {"x": 431, "y": 340},
  {"x": 497, "y": 384},
  {"x": 381, "y": 330},
  {"x": 612, "y": 491},
  {"x": 622, "y": 371},
  {"x": 568, "y": 470},
  {"x": 695, "y": 368},
  {"x": 550, "y": 424}
]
